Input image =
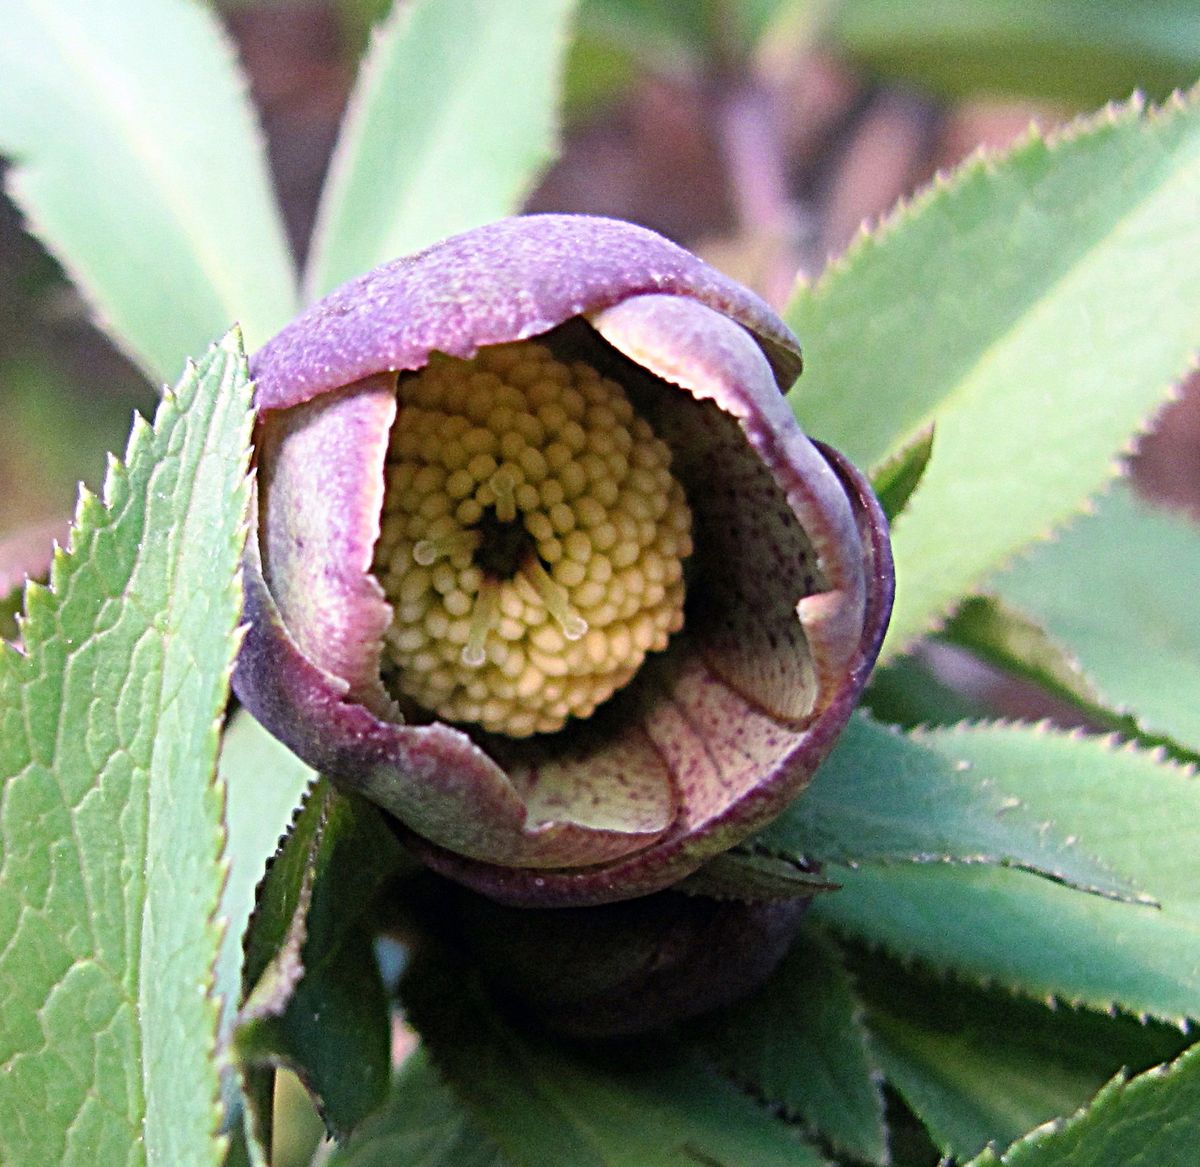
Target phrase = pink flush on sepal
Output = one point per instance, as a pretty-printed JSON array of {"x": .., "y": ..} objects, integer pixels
[{"x": 583, "y": 704}]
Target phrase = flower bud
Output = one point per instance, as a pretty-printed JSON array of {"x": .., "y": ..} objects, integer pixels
[{"x": 544, "y": 565}]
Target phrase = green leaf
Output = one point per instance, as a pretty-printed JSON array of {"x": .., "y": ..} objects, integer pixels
[
  {"x": 10, "y": 609},
  {"x": 912, "y": 690},
  {"x": 264, "y": 783},
  {"x": 800, "y": 1043},
  {"x": 639, "y": 1105},
  {"x": 1081, "y": 51},
  {"x": 317, "y": 1002},
  {"x": 1137, "y": 637},
  {"x": 883, "y": 798},
  {"x": 901, "y": 473},
  {"x": 1035, "y": 309},
  {"x": 1012, "y": 641},
  {"x": 463, "y": 146},
  {"x": 1129, "y": 809},
  {"x": 139, "y": 165},
  {"x": 1153, "y": 1119},
  {"x": 421, "y": 1124},
  {"x": 110, "y": 817},
  {"x": 979, "y": 1065}
]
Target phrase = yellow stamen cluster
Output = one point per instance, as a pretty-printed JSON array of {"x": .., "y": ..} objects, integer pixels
[{"x": 532, "y": 543}]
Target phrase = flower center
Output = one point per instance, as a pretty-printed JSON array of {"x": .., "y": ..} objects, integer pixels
[{"x": 532, "y": 541}]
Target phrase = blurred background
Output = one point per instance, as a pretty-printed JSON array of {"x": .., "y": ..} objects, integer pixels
[{"x": 761, "y": 133}]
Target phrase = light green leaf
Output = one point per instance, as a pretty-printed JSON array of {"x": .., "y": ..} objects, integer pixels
[
  {"x": 1137, "y": 636},
  {"x": 1036, "y": 310},
  {"x": 800, "y": 1043},
  {"x": 1153, "y": 1120},
  {"x": 1132, "y": 811},
  {"x": 638, "y": 1105},
  {"x": 883, "y": 798},
  {"x": 421, "y": 1124},
  {"x": 452, "y": 120},
  {"x": 978, "y": 1066},
  {"x": 139, "y": 165},
  {"x": 110, "y": 817},
  {"x": 1082, "y": 51},
  {"x": 264, "y": 783},
  {"x": 316, "y": 1000}
]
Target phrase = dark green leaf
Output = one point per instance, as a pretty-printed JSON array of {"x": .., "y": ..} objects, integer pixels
[
  {"x": 647, "y": 1105},
  {"x": 421, "y": 1124},
  {"x": 979, "y": 1065},
  {"x": 1129, "y": 809},
  {"x": 800, "y": 1043},
  {"x": 883, "y": 798},
  {"x": 900, "y": 474},
  {"x": 1152, "y": 1120},
  {"x": 317, "y": 1002},
  {"x": 110, "y": 815},
  {"x": 1081, "y": 51}
]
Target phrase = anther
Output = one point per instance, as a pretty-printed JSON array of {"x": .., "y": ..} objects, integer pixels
[
  {"x": 483, "y": 619},
  {"x": 426, "y": 552},
  {"x": 554, "y": 597}
]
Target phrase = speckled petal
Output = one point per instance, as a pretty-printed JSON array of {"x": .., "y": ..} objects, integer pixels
[
  {"x": 717, "y": 744},
  {"x": 783, "y": 568},
  {"x": 510, "y": 280},
  {"x": 431, "y": 777}
]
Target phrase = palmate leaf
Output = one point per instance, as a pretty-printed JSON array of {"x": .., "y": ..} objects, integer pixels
[
  {"x": 1084, "y": 51},
  {"x": 421, "y": 1124},
  {"x": 110, "y": 818},
  {"x": 452, "y": 120},
  {"x": 1137, "y": 637},
  {"x": 264, "y": 783},
  {"x": 980, "y": 1066},
  {"x": 883, "y": 798},
  {"x": 138, "y": 164},
  {"x": 1153, "y": 1119},
  {"x": 1035, "y": 309},
  {"x": 644, "y": 1105},
  {"x": 315, "y": 998},
  {"x": 1131, "y": 810},
  {"x": 801, "y": 1044}
]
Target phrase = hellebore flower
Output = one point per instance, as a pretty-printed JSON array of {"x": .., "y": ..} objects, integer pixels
[{"x": 545, "y": 567}]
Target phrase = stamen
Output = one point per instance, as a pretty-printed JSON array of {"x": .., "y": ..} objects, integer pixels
[
  {"x": 483, "y": 620},
  {"x": 533, "y": 540},
  {"x": 427, "y": 552},
  {"x": 554, "y": 596},
  {"x": 504, "y": 489}
]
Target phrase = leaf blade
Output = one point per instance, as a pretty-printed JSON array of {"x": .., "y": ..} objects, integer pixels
[
  {"x": 886, "y": 798},
  {"x": 1077, "y": 50},
  {"x": 648, "y": 1106},
  {"x": 110, "y": 822},
  {"x": 1081, "y": 326},
  {"x": 1136, "y": 638},
  {"x": 152, "y": 193},
  {"x": 1151, "y": 1119},
  {"x": 465, "y": 147},
  {"x": 1041, "y": 939}
]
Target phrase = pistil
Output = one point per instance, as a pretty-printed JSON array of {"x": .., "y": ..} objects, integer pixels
[{"x": 532, "y": 542}]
